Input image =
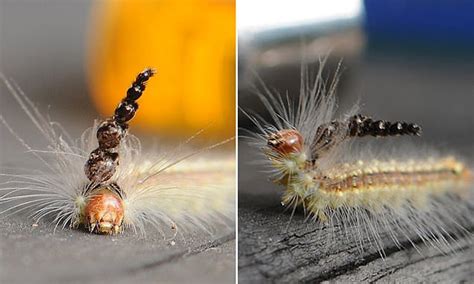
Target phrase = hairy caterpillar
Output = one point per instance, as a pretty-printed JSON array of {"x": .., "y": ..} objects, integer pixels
[
  {"x": 84, "y": 185},
  {"x": 358, "y": 192}
]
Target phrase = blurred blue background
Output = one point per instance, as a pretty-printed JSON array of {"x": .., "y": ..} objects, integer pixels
[{"x": 439, "y": 25}]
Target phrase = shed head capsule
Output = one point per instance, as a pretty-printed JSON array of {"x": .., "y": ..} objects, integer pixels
[{"x": 286, "y": 141}]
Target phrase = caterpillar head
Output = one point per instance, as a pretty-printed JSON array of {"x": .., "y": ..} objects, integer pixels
[
  {"x": 286, "y": 142},
  {"x": 286, "y": 151},
  {"x": 104, "y": 211}
]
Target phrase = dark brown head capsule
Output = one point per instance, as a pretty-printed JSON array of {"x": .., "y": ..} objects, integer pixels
[
  {"x": 109, "y": 134},
  {"x": 286, "y": 141},
  {"x": 101, "y": 165},
  {"x": 125, "y": 111}
]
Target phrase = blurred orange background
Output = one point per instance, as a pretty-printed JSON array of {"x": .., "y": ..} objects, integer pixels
[{"x": 190, "y": 43}]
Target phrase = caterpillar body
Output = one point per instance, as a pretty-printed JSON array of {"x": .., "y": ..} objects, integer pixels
[
  {"x": 82, "y": 184},
  {"x": 327, "y": 167}
]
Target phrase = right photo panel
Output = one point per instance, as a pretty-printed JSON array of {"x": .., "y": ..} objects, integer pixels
[{"x": 356, "y": 134}]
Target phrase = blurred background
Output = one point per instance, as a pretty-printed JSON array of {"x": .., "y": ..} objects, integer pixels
[
  {"x": 78, "y": 58},
  {"x": 404, "y": 60}
]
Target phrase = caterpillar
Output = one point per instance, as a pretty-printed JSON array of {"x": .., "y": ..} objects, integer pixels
[
  {"x": 330, "y": 167},
  {"x": 105, "y": 182}
]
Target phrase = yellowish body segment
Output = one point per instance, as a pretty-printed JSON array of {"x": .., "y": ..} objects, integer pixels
[
  {"x": 393, "y": 174},
  {"x": 375, "y": 184}
]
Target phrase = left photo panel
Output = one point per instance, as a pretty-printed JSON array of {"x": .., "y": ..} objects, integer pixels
[{"x": 117, "y": 141}]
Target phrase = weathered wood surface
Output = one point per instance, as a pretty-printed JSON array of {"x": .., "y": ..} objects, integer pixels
[
  {"x": 270, "y": 252},
  {"x": 36, "y": 255}
]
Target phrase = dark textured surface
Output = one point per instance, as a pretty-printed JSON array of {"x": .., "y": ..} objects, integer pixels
[
  {"x": 36, "y": 255},
  {"x": 436, "y": 95}
]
